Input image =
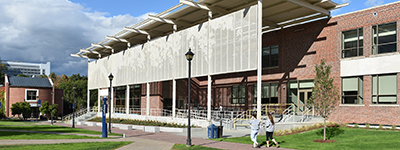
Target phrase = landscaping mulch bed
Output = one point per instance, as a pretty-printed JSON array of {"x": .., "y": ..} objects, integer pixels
[{"x": 324, "y": 141}]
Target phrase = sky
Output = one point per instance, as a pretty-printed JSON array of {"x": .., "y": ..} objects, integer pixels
[{"x": 40, "y": 31}]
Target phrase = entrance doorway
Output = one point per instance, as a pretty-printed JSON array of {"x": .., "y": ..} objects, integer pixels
[{"x": 304, "y": 95}]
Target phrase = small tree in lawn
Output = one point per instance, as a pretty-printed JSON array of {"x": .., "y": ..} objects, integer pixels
[
  {"x": 21, "y": 108},
  {"x": 46, "y": 109},
  {"x": 324, "y": 94}
]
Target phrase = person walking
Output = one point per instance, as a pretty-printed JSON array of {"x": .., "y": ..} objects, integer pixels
[
  {"x": 270, "y": 125},
  {"x": 255, "y": 125}
]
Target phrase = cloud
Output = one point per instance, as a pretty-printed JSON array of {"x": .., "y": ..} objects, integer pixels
[
  {"x": 371, "y": 3},
  {"x": 51, "y": 30}
]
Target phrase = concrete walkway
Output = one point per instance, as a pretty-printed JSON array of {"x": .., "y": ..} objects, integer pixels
[{"x": 148, "y": 141}]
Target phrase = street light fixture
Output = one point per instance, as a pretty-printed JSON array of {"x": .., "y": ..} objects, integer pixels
[
  {"x": 73, "y": 109},
  {"x": 189, "y": 56},
  {"x": 111, "y": 77}
]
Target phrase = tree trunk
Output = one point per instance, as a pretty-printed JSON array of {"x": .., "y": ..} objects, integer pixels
[{"x": 324, "y": 129}]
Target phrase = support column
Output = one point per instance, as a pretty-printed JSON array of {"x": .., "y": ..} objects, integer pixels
[
  {"x": 259, "y": 57},
  {"x": 175, "y": 28},
  {"x": 173, "y": 98},
  {"x": 127, "y": 100},
  {"x": 209, "y": 99},
  {"x": 112, "y": 99},
  {"x": 98, "y": 100},
  {"x": 88, "y": 99},
  {"x": 147, "y": 99}
]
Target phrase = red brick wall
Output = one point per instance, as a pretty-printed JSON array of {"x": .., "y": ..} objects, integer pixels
[{"x": 17, "y": 94}]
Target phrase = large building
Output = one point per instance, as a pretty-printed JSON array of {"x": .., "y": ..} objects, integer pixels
[
  {"x": 15, "y": 68},
  {"x": 249, "y": 54}
]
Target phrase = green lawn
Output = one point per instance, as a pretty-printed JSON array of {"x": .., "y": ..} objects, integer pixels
[
  {"x": 68, "y": 146},
  {"x": 350, "y": 139},
  {"x": 53, "y": 128},
  {"x": 15, "y": 123},
  {"x": 193, "y": 147},
  {"x": 11, "y": 135}
]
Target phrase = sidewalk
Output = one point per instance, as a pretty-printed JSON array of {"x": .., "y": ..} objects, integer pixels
[{"x": 163, "y": 140}]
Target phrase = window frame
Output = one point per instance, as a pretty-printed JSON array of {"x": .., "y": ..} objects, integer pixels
[
  {"x": 375, "y": 47},
  {"x": 240, "y": 100},
  {"x": 265, "y": 95},
  {"x": 26, "y": 95},
  {"x": 269, "y": 57},
  {"x": 358, "y": 47},
  {"x": 377, "y": 92},
  {"x": 360, "y": 91}
]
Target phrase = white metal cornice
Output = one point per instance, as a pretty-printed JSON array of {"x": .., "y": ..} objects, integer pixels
[
  {"x": 194, "y": 4},
  {"x": 159, "y": 19},
  {"x": 310, "y": 6},
  {"x": 135, "y": 30},
  {"x": 117, "y": 39}
]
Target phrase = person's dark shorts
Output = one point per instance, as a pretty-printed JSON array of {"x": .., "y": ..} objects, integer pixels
[{"x": 269, "y": 136}]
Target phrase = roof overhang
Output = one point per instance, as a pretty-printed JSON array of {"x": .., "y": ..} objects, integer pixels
[{"x": 276, "y": 15}]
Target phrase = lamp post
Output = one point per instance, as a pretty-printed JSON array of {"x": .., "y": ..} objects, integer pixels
[
  {"x": 189, "y": 56},
  {"x": 111, "y": 77},
  {"x": 73, "y": 109},
  {"x": 51, "y": 112}
]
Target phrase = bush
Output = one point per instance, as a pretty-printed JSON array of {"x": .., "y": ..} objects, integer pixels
[
  {"x": 393, "y": 127},
  {"x": 21, "y": 108},
  {"x": 367, "y": 125}
]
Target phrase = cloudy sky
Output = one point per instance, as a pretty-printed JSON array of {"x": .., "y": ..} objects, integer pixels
[{"x": 41, "y": 31}]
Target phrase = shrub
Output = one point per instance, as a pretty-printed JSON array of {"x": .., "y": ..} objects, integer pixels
[
  {"x": 393, "y": 127},
  {"x": 380, "y": 126},
  {"x": 355, "y": 125},
  {"x": 367, "y": 125}
]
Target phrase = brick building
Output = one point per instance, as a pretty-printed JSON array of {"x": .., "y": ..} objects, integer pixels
[
  {"x": 240, "y": 65},
  {"x": 27, "y": 89}
]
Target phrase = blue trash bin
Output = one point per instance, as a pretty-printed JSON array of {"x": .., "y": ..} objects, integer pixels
[{"x": 212, "y": 131}]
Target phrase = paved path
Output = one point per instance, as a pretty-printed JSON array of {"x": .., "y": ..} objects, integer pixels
[{"x": 142, "y": 140}]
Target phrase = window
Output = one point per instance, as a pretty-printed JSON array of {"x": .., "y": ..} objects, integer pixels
[
  {"x": 384, "y": 38},
  {"x": 120, "y": 97},
  {"x": 270, "y": 56},
  {"x": 352, "y": 90},
  {"x": 269, "y": 93},
  {"x": 384, "y": 89},
  {"x": 352, "y": 43},
  {"x": 238, "y": 94},
  {"x": 134, "y": 98},
  {"x": 31, "y": 95}
]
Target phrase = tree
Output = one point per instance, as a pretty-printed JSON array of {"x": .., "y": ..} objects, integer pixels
[
  {"x": 67, "y": 83},
  {"x": 324, "y": 94},
  {"x": 22, "y": 75},
  {"x": 46, "y": 109},
  {"x": 2, "y": 110},
  {"x": 21, "y": 108},
  {"x": 2, "y": 75}
]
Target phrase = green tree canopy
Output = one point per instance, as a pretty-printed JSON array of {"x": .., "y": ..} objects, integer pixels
[
  {"x": 22, "y": 75},
  {"x": 46, "y": 109},
  {"x": 67, "y": 83},
  {"x": 2, "y": 75},
  {"x": 21, "y": 108},
  {"x": 324, "y": 94}
]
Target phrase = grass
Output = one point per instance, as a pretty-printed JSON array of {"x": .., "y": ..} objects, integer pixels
[
  {"x": 11, "y": 135},
  {"x": 53, "y": 128},
  {"x": 15, "y": 123},
  {"x": 193, "y": 147},
  {"x": 350, "y": 139},
  {"x": 64, "y": 146}
]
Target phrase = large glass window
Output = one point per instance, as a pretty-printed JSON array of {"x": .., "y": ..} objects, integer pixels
[
  {"x": 270, "y": 56},
  {"x": 120, "y": 97},
  {"x": 384, "y": 38},
  {"x": 238, "y": 94},
  {"x": 134, "y": 96},
  {"x": 352, "y": 90},
  {"x": 352, "y": 43},
  {"x": 269, "y": 93},
  {"x": 31, "y": 95},
  {"x": 384, "y": 89}
]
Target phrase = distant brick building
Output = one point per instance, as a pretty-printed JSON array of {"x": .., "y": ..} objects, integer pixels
[{"x": 27, "y": 89}]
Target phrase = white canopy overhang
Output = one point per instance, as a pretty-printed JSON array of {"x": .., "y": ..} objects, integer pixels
[{"x": 276, "y": 14}]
